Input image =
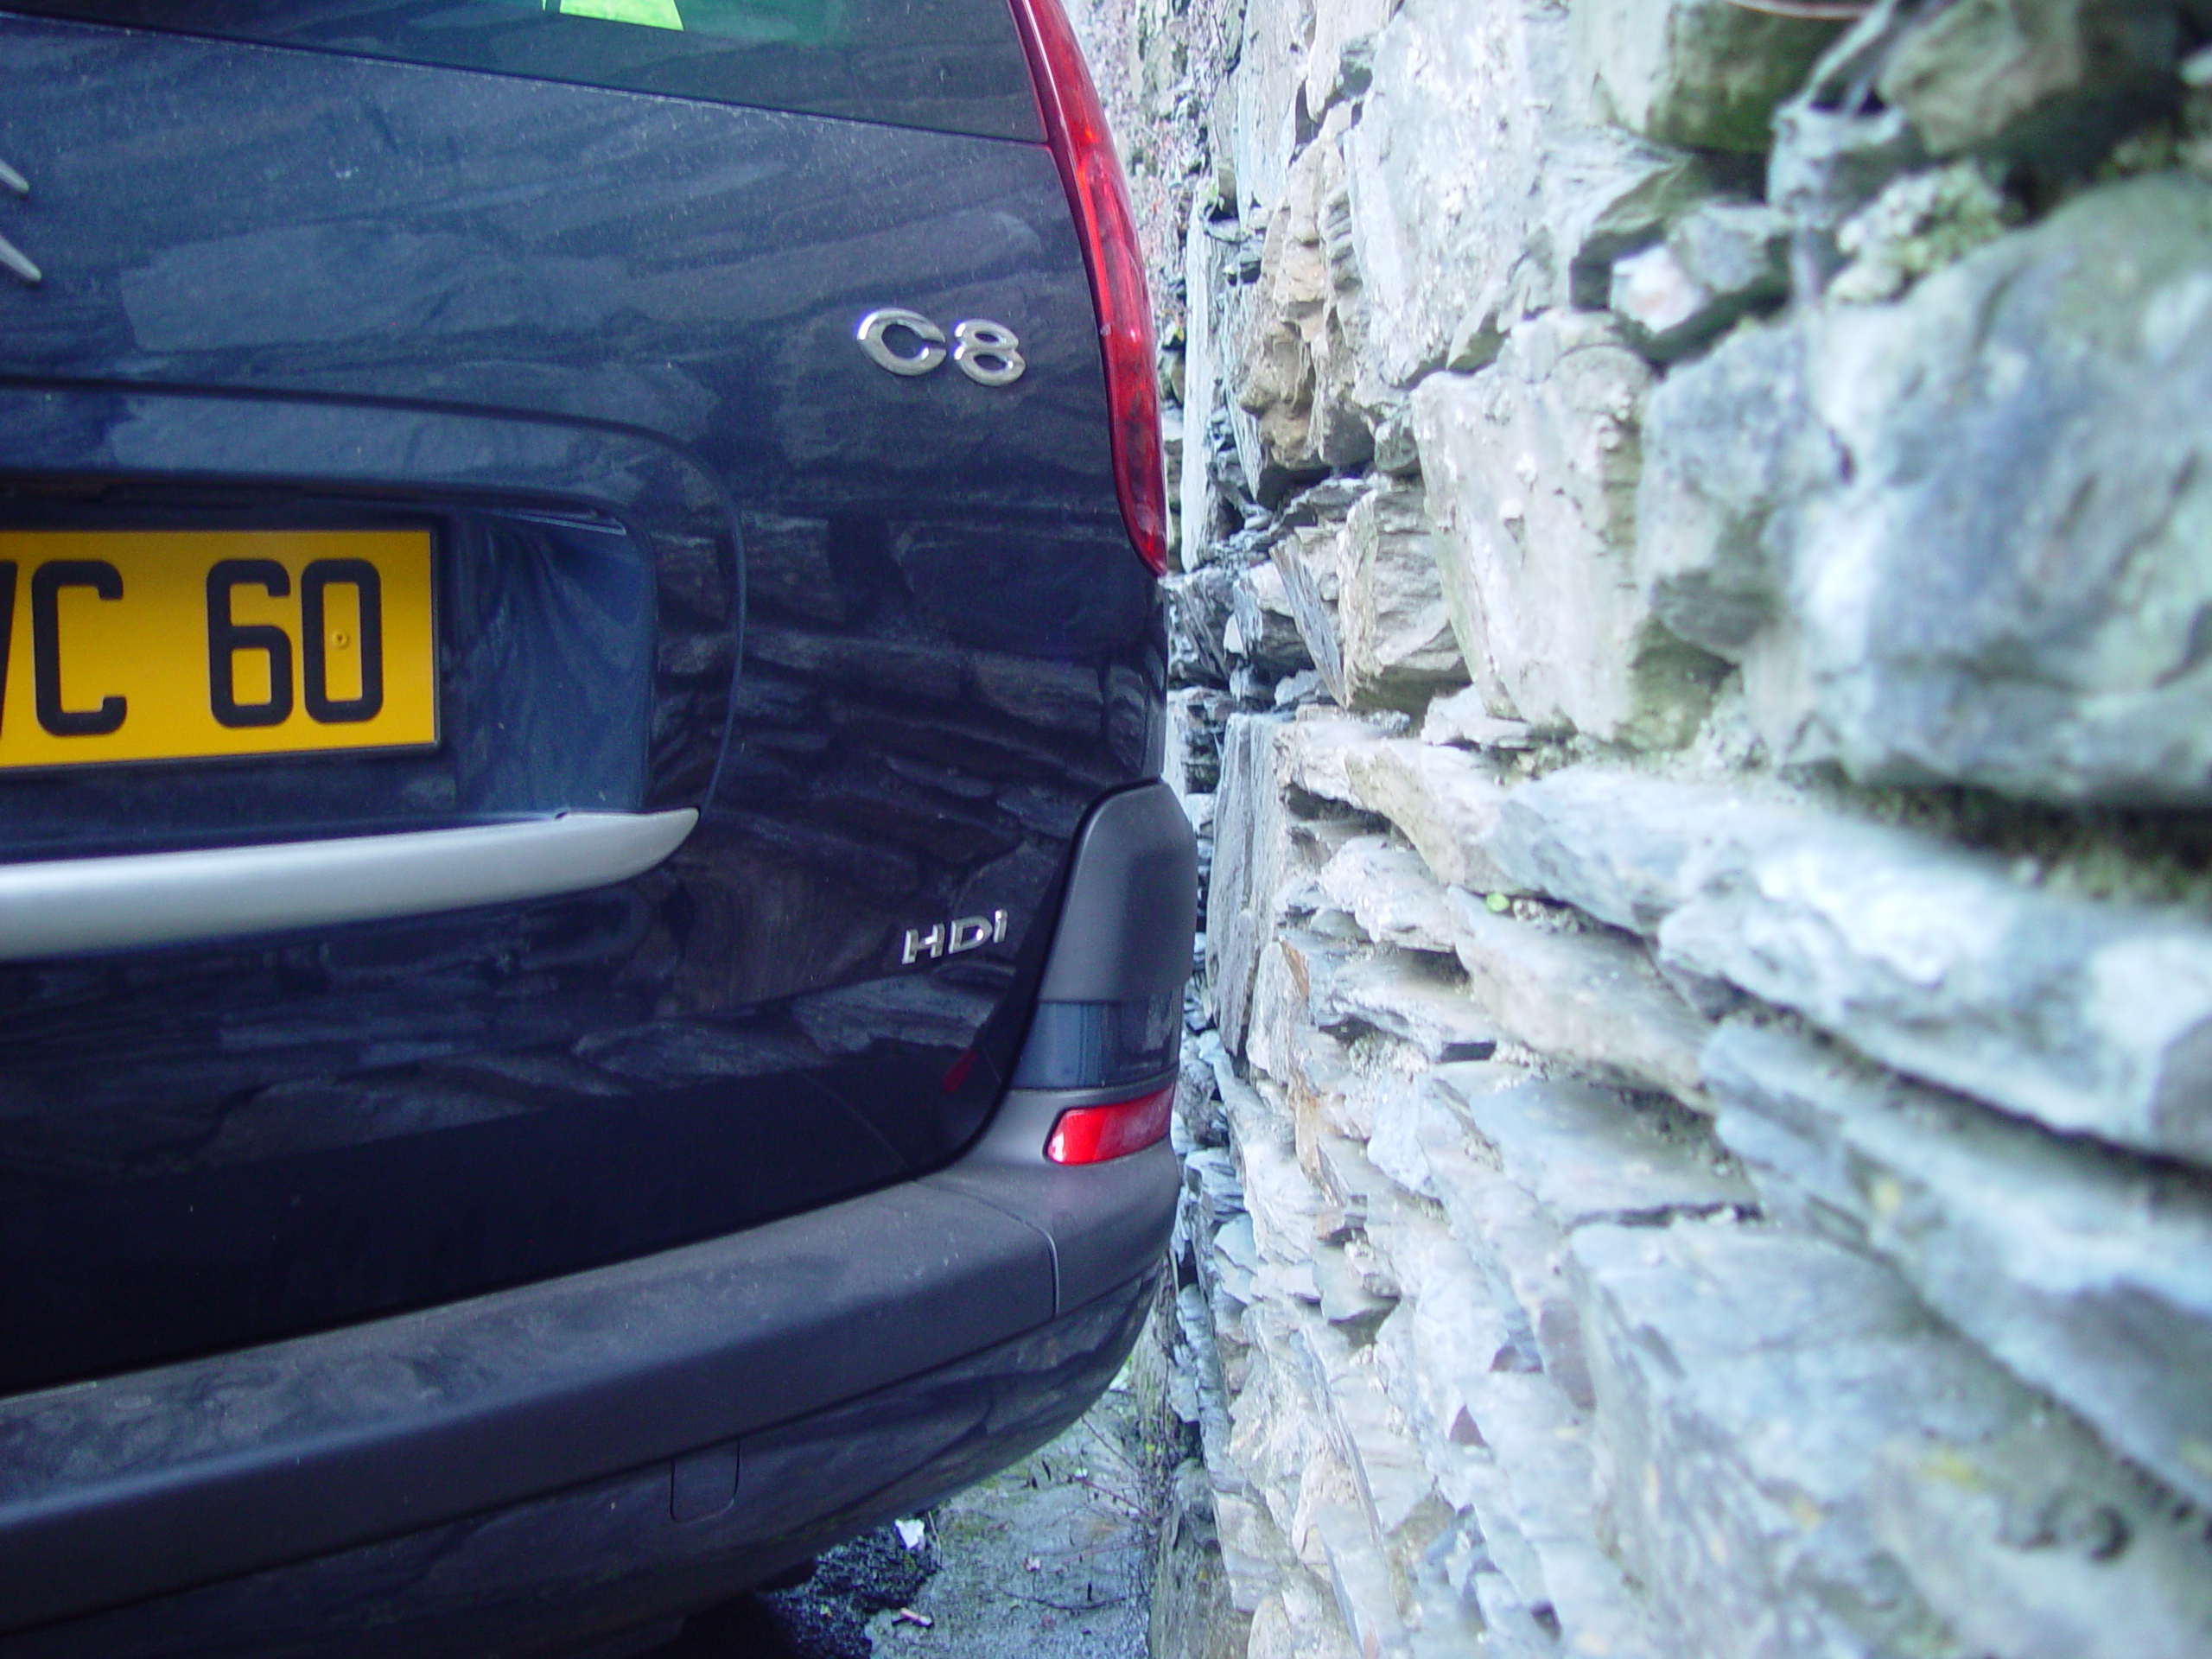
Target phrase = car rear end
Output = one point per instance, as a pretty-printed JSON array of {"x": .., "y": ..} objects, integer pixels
[{"x": 590, "y": 943}]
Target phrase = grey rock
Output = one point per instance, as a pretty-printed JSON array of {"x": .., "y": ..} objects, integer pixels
[
  {"x": 1199, "y": 609},
  {"x": 1265, "y": 633},
  {"x": 1919, "y": 225},
  {"x": 2088, "y": 1272},
  {"x": 1613, "y": 200},
  {"x": 1592, "y": 1002},
  {"x": 1414, "y": 997},
  {"x": 1732, "y": 450},
  {"x": 1444, "y": 800},
  {"x": 1459, "y": 718},
  {"x": 1324, "y": 504},
  {"x": 2035, "y": 1544},
  {"x": 1505, "y": 1443},
  {"x": 1625, "y": 849},
  {"x": 1267, "y": 45},
  {"x": 1705, "y": 73},
  {"x": 1531, "y": 468},
  {"x": 1251, "y": 847},
  {"x": 1746, "y": 1382},
  {"x": 1719, "y": 262},
  {"x": 2028, "y": 615},
  {"x": 2090, "y": 1018},
  {"x": 1340, "y": 59},
  {"x": 1396, "y": 452},
  {"x": 2049, "y": 82},
  {"x": 1398, "y": 647},
  {"x": 1200, "y": 503},
  {"x": 1530, "y": 1160},
  {"x": 1473, "y": 189},
  {"x": 1586, "y": 1155},
  {"x": 1837, "y": 146},
  {"x": 1307, "y": 562},
  {"x": 1320, "y": 744},
  {"x": 1346, "y": 1300},
  {"x": 1272, "y": 377},
  {"x": 1389, "y": 890},
  {"x": 1479, "y": 335}
]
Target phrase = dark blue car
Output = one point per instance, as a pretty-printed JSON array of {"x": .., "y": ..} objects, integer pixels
[{"x": 591, "y": 952}]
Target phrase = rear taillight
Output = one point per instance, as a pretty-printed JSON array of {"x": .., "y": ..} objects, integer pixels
[
  {"x": 1075, "y": 127},
  {"x": 1092, "y": 1134}
]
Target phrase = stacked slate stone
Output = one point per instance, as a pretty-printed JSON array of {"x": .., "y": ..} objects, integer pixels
[{"x": 1695, "y": 635}]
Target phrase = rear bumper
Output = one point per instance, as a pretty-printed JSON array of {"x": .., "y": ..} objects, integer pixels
[{"x": 145, "y": 1485}]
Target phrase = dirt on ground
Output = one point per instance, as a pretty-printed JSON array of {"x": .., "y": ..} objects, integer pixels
[{"x": 1049, "y": 1560}]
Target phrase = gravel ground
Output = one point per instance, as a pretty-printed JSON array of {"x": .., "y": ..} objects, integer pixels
[{"x": 1049, "y": 1560}]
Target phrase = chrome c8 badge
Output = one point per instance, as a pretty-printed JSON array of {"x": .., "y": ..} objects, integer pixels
[{"x": 907, "y": 343}]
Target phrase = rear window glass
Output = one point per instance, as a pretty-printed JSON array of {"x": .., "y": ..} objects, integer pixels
[{"x": 955, "y": 66}]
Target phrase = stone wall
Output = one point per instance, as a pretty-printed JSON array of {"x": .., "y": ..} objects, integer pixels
[{"x": 1694, "y": 633}]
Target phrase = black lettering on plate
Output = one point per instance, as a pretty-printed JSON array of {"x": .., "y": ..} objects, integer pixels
[
  {"x": 7, "y": 627},
  {"x": 314, "y": 670},
  {"x": 47, "y": 583},
  {"x": 226, "y": 639}
]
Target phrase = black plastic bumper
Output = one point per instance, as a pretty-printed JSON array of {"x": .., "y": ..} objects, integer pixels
[
  {"x": 678, "y": 1373},
  {"x": 145, "y": 1485}
]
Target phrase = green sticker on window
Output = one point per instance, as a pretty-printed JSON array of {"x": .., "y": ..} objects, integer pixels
[{"x": 648, "y": 13}]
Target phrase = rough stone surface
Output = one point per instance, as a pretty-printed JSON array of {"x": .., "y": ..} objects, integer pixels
[
  {"x": 1629, "y": 849},
  {"x": 1307, "y": 562},
  {"x": 1554, "y": 1279},
  {"x": 2035, "y": 1544},
  {"x": 2090, "y": 1276},
  {"x": 1719, "y": 262},
  {"x": 1469, "y": 191},
  {"x": 1444, "y": 801},
  {"x": 1591, "y": 1001},
  {"x": 1461, "y": 719},
  {"x": 1389, "y": 890},
  {"x": 1532, "y": 470},
  {"x": 2090, "y": 1017},
  {"x": 1398, "y": 647},
  {"x": 1748, "y": 1380},
  {"x": 1412, "y": 997},
  {"x": 2049, "y": 81},
  {"x": 2026, "y": 617},
  {"x": 1731, "y": 451},
  {"x": 1263, "y": 632},
  {"x": 1251, "y": 846},
  {"x": 1706, "y": 73}
]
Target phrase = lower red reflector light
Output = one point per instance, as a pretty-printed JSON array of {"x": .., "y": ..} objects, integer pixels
[{"x": 1092, "y": 1134}]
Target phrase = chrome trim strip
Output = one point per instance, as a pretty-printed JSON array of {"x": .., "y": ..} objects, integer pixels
[{"x": 63, "y": 907}]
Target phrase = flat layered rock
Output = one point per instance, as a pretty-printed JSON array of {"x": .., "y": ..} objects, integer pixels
[
  {"x": 1702, "y": 72},
  {"x": 1388, "y": 889},
  {"x": 2088, "y": 1272},
  {"x": 2027, "y": 615},
  {"x": 1748, "y": 1380},
  {"x": 1532, "y": 468},
  {"x": 1592, "y": 1001},
  {"x": 1444, "y": 800},
  {"x": 2088, "y": 1017}
]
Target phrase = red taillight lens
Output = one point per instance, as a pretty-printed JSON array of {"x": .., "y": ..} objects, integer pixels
[
  {"x": 1092, "y": 1134},
  {"x": 1075, "y": 127}
]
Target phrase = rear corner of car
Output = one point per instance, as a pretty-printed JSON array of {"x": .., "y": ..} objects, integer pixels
[{"x": 591, "y": 951}]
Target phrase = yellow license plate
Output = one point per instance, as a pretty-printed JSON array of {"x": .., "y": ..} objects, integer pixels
[{"x": 178, "y": 645}]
